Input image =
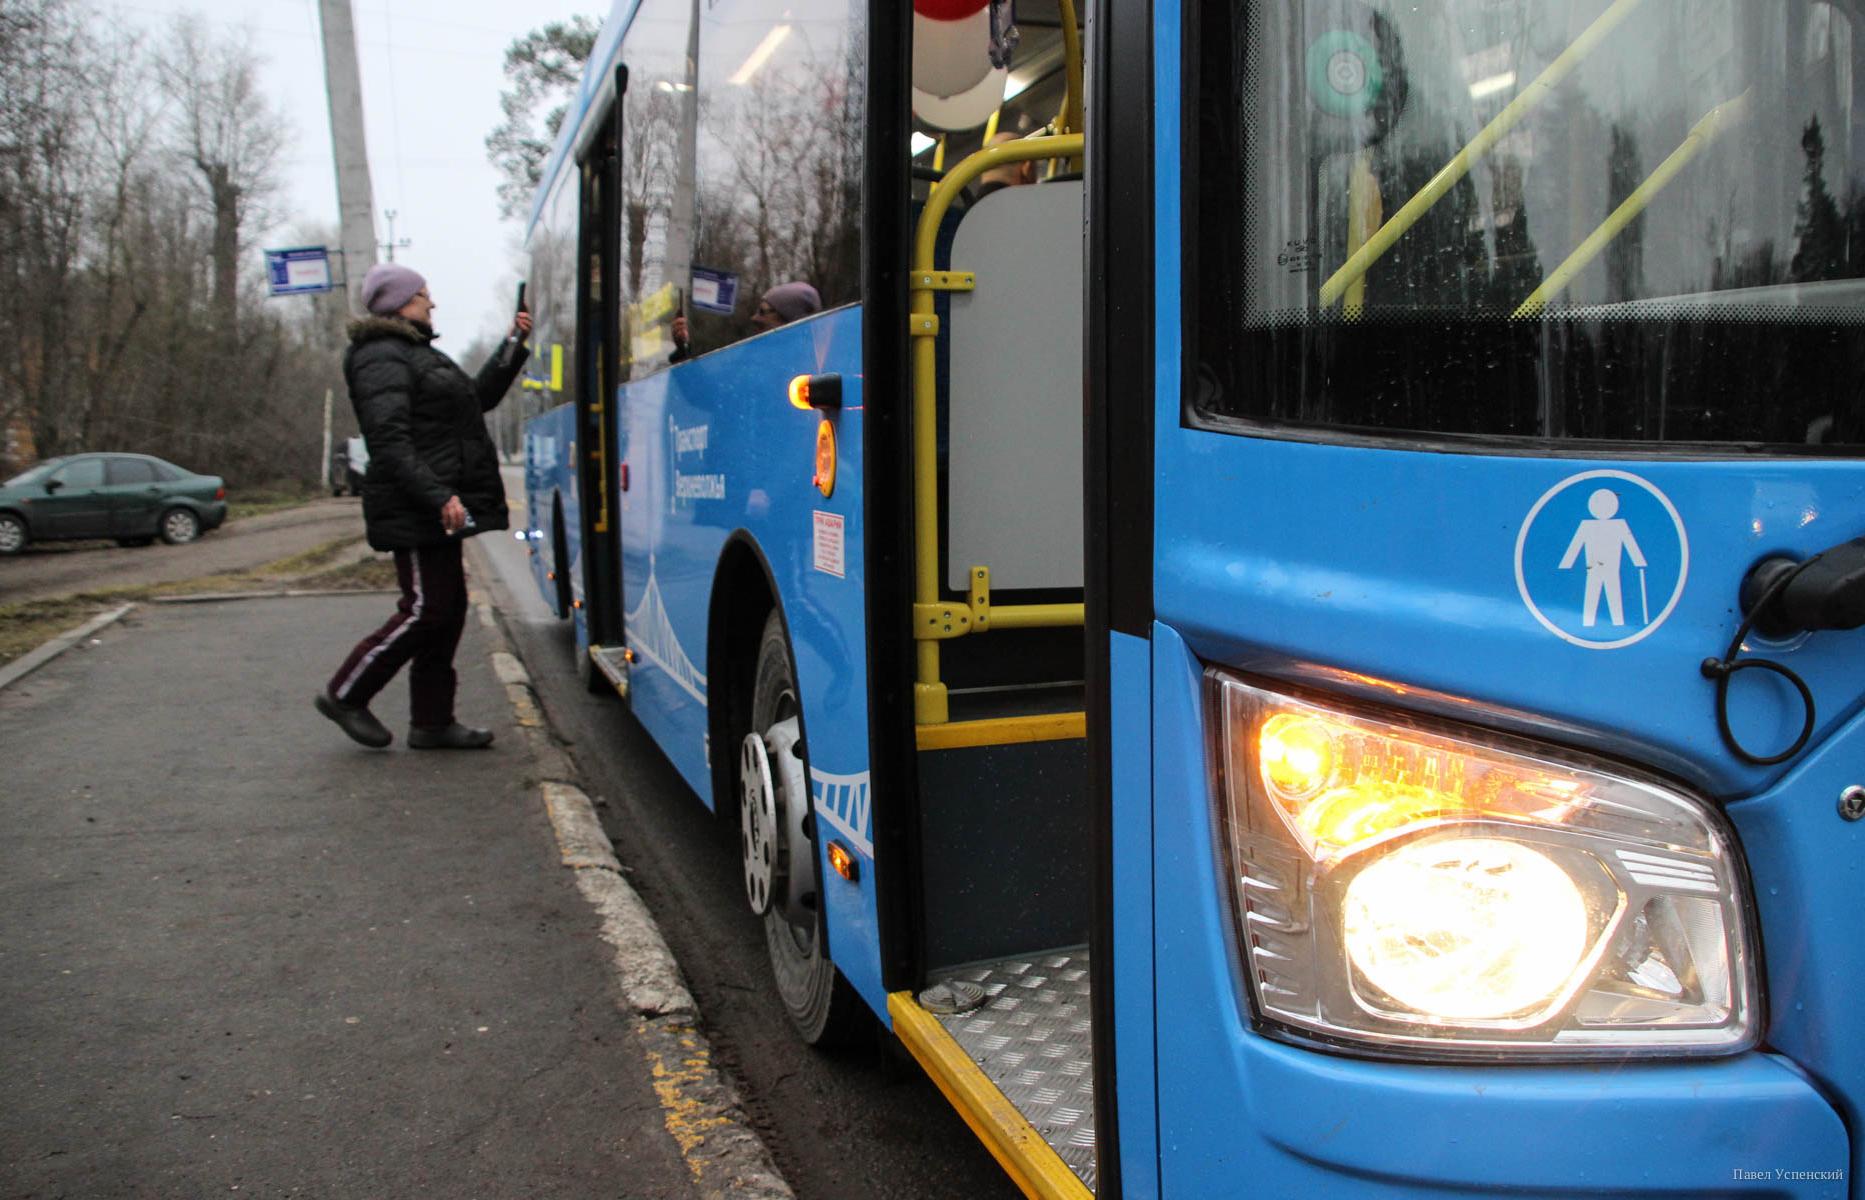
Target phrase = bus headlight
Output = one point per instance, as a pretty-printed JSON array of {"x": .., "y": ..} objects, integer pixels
[{"x": 1420, "y": 891}]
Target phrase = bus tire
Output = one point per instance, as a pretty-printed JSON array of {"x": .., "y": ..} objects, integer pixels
[
  {"x": 560, "y": 560},
  {"x": 821, "y": 1005}
]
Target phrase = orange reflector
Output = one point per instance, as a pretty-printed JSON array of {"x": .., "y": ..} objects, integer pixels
[
  {"x": 628, "y": 656},
  {"x": 825, "y": 459},
  {"x": 799, "y": 392},
  {"x": 550, "y": 574},
  {"x": 843, "y": 861},
  {"x": 576, "y": 604}
]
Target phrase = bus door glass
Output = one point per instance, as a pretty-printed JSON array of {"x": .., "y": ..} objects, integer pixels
[{"x": 1518, "y": 336}]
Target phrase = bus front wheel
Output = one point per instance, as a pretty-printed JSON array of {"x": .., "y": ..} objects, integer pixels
[{"x": 777, "y": 842}]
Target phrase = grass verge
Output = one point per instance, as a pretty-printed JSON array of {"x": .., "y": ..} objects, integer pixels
[
  {"x": 329, "y": 567},
  {"x": 265, "y": 498}
]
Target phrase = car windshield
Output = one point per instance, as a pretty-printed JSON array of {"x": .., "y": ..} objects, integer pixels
[
  {"x": 1636, "y": 220},
  {"x": 34, "y": 474}
]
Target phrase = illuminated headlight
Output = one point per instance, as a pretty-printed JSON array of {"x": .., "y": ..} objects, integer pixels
[{"x": 1419, "y": 891}]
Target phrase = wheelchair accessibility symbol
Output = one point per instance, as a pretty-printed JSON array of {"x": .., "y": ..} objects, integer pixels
[{"x": 1602, "y": 559}]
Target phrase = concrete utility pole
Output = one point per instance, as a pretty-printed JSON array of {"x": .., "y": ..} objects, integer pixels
[
  {"x": 343, "y": 84},
  {"x": 392, "y": 245}
]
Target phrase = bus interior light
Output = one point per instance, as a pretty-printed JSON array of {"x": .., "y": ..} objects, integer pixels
[{"x": 1461, "y": 894}]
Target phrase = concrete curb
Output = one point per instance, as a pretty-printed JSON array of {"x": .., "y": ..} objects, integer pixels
[
  {"x": 292, "y": 594},
  {"x": 701, "y": 1109},
  {"x": 21, "y": 667}
]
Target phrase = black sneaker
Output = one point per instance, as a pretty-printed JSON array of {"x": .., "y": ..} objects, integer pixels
[
  {"x": 357, "y": 721},
  {"x": 448, "y": 737}
]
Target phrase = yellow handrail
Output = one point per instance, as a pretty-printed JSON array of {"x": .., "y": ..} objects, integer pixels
[
  {"x": 1447, "y": 177},
  {"x": 929, "y": 697},
  {"x": 1714, "y": 124},
  {"x": 1070, "y": 116}
]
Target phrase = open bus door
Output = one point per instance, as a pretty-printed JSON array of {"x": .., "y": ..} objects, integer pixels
[{"x": 597, "y": 375}]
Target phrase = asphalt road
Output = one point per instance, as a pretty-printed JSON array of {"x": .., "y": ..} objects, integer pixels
[
  {"x": 861, "y": 1122},
  {"x": 61, "y": 568},
  {"x": 241, "y": 955}
]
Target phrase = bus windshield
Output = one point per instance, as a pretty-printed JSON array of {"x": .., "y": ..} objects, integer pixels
[{"x": 1624, "y": 220}]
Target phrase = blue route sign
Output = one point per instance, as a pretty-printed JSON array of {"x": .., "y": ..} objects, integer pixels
[
  {"x": 714, "y": 291},
  {"x": 299, "y": 270}
]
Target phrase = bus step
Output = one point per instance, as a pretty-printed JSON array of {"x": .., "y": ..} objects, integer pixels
[
  {"x": 612, "y": 661},
  {"x": 1033, "y": 1040}
]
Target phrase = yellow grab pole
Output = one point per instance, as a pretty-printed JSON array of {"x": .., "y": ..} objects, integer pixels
[
  {"x": 1447, "y": 177},
  {"x": 1364, "y": 213},
  {"x": 1714, "y": 124},
  {"x": 1072, "y": 70},
  {"x": 929, "y": 699}
]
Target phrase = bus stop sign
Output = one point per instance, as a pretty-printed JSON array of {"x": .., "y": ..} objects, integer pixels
[{"x": 298, "y": 270}]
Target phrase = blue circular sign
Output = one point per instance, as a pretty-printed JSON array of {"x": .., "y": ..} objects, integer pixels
[{"x": 1602, "y": 559}]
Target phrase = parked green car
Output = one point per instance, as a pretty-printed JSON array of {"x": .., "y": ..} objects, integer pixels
[{"x": 130, "y": 497}]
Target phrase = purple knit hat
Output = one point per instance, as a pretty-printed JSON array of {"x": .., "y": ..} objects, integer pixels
[
  {"x": 793, "y": 301},
  {"x": 389, "y": 286}
]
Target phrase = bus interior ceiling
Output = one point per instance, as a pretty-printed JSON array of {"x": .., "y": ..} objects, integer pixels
[{"x": 1005, "y": 817}]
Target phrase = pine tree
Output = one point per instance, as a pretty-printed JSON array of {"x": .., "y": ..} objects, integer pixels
[{"x": 1819, "y": 234}]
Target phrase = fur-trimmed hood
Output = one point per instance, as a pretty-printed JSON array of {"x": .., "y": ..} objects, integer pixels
[{"x": 369, "y": 329}]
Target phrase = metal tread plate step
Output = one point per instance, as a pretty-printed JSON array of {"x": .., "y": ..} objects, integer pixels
[
  {"x": 1033, "y": 1038},
  {"x": 612, "y": 662}
]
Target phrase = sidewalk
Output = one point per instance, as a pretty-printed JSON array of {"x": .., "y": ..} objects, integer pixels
[{"x": 239, "y": 953}]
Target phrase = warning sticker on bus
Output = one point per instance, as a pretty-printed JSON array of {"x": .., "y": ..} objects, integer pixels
[{"x": 830, "y": 557}]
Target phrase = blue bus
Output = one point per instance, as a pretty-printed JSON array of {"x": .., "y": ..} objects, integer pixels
[{"x": 1270, "y": 584}]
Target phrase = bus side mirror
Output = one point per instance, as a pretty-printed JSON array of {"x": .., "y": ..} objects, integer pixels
[
  {"x": 1828, "y": 593},
  {"x": 52, "y": 485}
]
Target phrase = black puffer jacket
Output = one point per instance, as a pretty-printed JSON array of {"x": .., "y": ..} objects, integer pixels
[{"x": 423, "y": 418}]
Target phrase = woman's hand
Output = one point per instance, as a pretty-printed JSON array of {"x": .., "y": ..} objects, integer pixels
[
  {"x": 453, "y": 515},
  {"x": 521, "y": 325},
  {"x": 679, "y": 331}
]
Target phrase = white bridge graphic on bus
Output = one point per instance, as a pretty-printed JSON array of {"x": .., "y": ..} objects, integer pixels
[
  {"x": 650, "y": 634},
  {"x": 844, "y": 802}
]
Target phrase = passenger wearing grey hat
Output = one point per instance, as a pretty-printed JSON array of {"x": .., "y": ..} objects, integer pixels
[
  {"x": 780, "y": 305},
  {"x": 433, "y": 481}
]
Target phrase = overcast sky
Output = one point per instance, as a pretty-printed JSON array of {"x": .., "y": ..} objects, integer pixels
[{"x": 431, "y": 80}]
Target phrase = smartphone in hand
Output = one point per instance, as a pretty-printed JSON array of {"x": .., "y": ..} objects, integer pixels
[{"x": 510, "y": 348}]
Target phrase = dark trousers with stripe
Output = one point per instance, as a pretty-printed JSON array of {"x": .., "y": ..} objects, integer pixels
[{"x": 424, "y": 632}]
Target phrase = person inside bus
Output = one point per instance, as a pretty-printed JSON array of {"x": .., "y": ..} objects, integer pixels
[
  {"x": 1014, "y": 174},
  {"x": 433, "y": 482},
  {"x": 781, "y": 305}
]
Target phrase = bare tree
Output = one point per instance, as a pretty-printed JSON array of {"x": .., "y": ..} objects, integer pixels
[
  {"x": 232, "y": 136},
  {"x": 128, "y": 188}
]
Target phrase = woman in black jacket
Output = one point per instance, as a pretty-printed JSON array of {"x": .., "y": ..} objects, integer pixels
[{"x": 433, "y": 481}]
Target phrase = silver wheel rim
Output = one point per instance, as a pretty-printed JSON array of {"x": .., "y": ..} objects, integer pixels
[
  {"x": 12, "y": 535},
  {"x": 180, "y": 526},
  {"x": 757, "y": 823}
]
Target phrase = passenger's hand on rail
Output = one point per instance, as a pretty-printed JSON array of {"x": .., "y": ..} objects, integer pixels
[
  {"x": 521, "y": 325},
  {"x": 453, "y": 515},
  {"x": 679, "y": 331}
]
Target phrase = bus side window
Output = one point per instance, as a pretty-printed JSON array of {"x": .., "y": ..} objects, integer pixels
[{"x": 778, "y": 173}]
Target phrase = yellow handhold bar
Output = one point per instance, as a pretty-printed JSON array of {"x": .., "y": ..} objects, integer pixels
[
  {"x": 929, "y": 695},
  {"x": 1714, "y": 124},
  {"x": 1069, "y": 119},
  {"x": 1447, "y": 177}
]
